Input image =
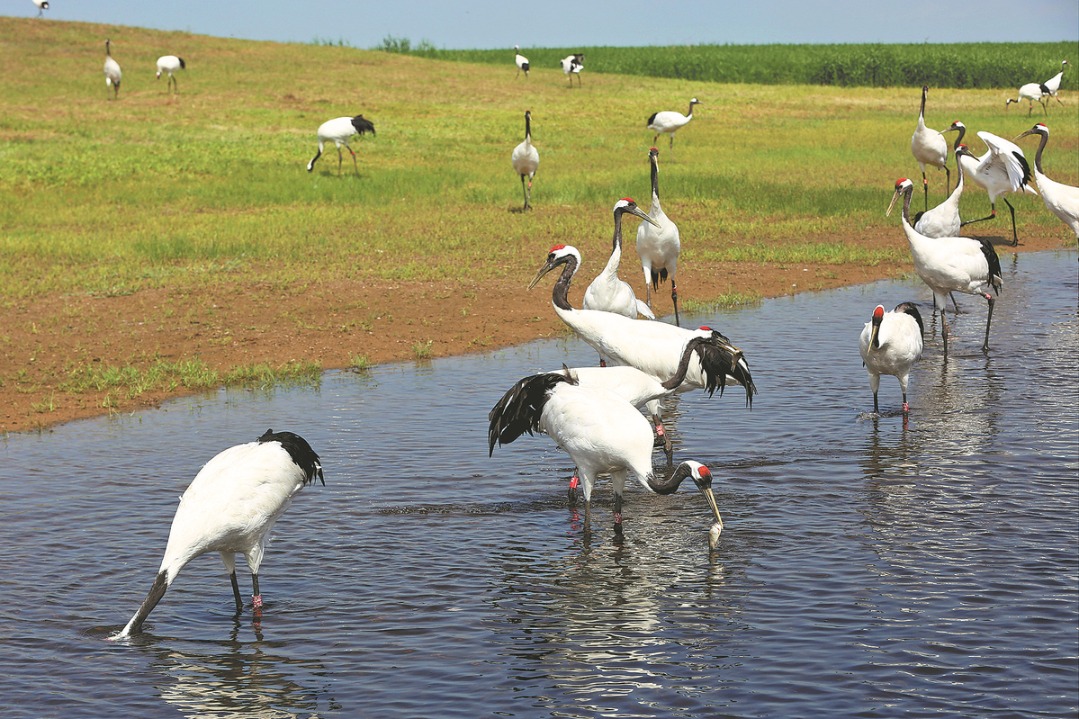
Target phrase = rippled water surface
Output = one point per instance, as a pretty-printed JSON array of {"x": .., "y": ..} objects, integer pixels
[{"x": 866, "y": 568}]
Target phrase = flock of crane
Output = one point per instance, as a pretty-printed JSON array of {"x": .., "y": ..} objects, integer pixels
[{"x": 608, "y": 418}]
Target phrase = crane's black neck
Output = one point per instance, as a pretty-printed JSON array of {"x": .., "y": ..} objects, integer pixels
[
  {"x": 959, "y": 137},
  {"x": 528, "y": 127},
  {"x": 560, "y": 291},
  {"x": 616, "y": 241},
  {"x": 683, "y": 363},
  {"x": 1038, "y": 154},
  {"x": 655, "y": 179},
  {"x": 921, "y": 112},
  {"x": 668, "y": 485}
]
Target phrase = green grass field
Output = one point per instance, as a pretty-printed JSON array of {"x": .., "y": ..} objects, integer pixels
[{"x": 108, "y": 197}]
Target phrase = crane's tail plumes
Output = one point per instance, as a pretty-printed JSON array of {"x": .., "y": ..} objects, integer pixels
[
  {"x": 362, "y": 125},
  {"x": 720, "y": 361},
  {"x": 300, "y": 452},
  {"x": 520, "y": 408}
]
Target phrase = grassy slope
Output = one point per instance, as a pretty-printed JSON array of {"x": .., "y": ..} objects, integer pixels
[{"x": 108, "y": 197}]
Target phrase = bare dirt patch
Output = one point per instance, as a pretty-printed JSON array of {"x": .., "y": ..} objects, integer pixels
[{"x": 330, "y": 323}]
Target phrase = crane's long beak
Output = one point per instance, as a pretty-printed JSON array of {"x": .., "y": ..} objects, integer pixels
[
  {"x": 873, "y": 341},
  {"x": 643, "y": 215},
  {"x": 707, "y": 492},
  {"x": 892, "y": 203},
  {"x": 542, "y": 271},
  {"x": 1019, "y": 137}
]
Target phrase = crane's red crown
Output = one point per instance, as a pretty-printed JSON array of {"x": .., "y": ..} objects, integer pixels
[{"x": 878, "y": 312}]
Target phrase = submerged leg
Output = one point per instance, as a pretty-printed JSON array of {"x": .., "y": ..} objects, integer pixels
[
  {"x": 988, "y": 320},
  {"x": 256, "y": 596},
  {"x": 236, "y": 592}
]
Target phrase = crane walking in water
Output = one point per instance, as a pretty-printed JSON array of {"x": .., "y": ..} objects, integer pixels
[
  {"x": 230, "y": 507},
  {"x": 962, "y": 264},
  {"x": 601, "y": 432},
  {"x": 890, "y": 343}
]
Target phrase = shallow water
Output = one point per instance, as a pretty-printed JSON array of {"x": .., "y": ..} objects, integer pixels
[{"x": 866, "y": 568}]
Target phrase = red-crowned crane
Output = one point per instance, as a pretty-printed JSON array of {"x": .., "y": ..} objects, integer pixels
[
  {"x": 609, "y": 292},
  {"x": 1062, "y": 200},
  {"x": 890, "y": 343},
  {"x": 338, "y": 131},
  {"x": 42, "y": 6},
  {"x": 658, "y": 244},
  {"x": 601, "y": 432},
  {"x": 520, "y": 60},
  {"x": 1031, "y": 92},
  {"x": 668, "y": 122},
  {"x": 169, "y": 65},
  {"x": 572, "y": 65},
  {"x": 1003, "y": 168},
  {"x": 652, "y": 347},
  {"x": 230, "y": 507},
  {"x": 961, "y": 264},
  {"x": 525, "y": 159},
  {"x": 930, "y": 148},
  {"x": 1052, "y": 85},
  {"x": 645, "y": 391},
  {"x": 113, "y": 75}
]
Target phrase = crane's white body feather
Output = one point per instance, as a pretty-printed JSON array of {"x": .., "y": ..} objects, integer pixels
[{"x": 899, "y": 345}]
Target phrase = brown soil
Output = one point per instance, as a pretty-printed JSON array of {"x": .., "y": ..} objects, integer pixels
[{"x": 330, "y": 323}]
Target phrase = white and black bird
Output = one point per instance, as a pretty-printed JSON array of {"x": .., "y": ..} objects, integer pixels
[
  {"x": 338, "y": 131},
  {"x": 113, "y": 75},
  {"x": 42, "y": 6},
  {"x": 609, "y": 292},
  {"x": 1002, "y": 169},
  {"x": 929, "y": 147},
  {"x": 1062, "y": 200},
  {"x": 230, "y": 507},
  {"x": 652, "y": 347},
  {"x": 525, "y": 160},
  {"x": 1031, "y": 92},
  {"x": 601, "y": 432},
  {"x": 170, "y": 65},
  {"x": 668, "y": 122},
  {"x": 658, "y": 244},
  {"x": 890, "y": 343},
  {"x": 1052, "y": 85},
  {"x": 945, "y": 264},
  {"x": 520, "y": 60},
  {"x": 645, "y": 391},
  {"x": 572, "y": 65}
]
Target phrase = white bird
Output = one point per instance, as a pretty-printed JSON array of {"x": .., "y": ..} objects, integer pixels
[
  {"x": 658, "y": 243},
  {"x": 601, "y": 432},
  {"x": 608, "y": 291},
  {"x": 961, "y": 264},
  {"x": 572, "y": 65},
  {"x": 645, "y": 391},
  {"x": 1052, "y": 85},
  {"x": 890, "y": 343},
  {"x": 170, "y": 64},
  {"x": 42, "y": 5},
  {"x": 1062, "y": 200},
  {"x": 230, "y": 507},
  {"x": 1030, "y": 92},
  {"x": 520, "y": 60},
  {"x": 652, "y": 347},
  {"x": 1003, "y": 168},
  {"x": 930, "y": 148},
  {"x": 525, "y": 160},
  {"x": 339, "y": 130},
  {"x": 669, "y": 122},
  {"x": 112, "y": 71}
]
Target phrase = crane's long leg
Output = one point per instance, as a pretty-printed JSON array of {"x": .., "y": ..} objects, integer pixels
[
  {"x": 988, "y": 320},
  {"x": 256, "y": 596},
  {"x": 1015, "y": 235},
  {"x": 236, "y": 592},
  {"x": 991, "y": 216},
  {"x": 354, "y": 165},
  {"x": 944, "y": 332},
  {"x": 340, "y": 159},
  {"x": 618, "y": 516},
  {"x": 876, "y": 405},
  {"x": 663, "y": 438},
  {"x": 925, "y": 189},
  {"x": 674, "y": 299}
]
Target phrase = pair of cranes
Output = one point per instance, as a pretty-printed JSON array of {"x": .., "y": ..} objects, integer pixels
[
  {"x": 658, "y": 240},
  {"x": 1040, "y": 92},
  {"x": 166, "y": 64},
  {"x": 572, "y": 64}
]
